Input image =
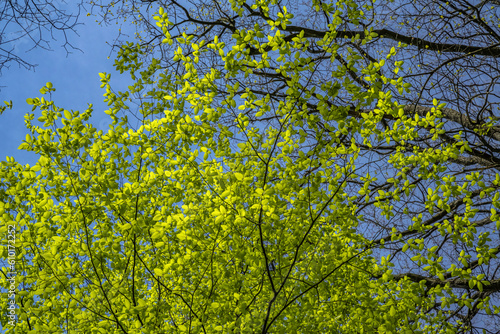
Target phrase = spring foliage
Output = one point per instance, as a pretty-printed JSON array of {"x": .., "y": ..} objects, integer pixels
[{"x": 210, "y": 208}]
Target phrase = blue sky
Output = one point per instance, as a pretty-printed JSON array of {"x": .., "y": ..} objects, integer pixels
[{"x": 75, "y": 77}]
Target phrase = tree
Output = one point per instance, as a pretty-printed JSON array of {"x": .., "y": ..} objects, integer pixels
[
  {"x": 26, "y": 25},
  {"x": 441, "y": 52},
  {"x": 275, "y": 179}
]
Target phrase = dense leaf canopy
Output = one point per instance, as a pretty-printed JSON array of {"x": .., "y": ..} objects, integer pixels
[{"x": 277, "y": 167}]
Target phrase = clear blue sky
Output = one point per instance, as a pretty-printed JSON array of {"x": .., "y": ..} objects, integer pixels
[{"x": 75, "y": 77}]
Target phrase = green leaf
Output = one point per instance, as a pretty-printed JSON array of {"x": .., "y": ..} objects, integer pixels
[{"x": 68, "y": 114}]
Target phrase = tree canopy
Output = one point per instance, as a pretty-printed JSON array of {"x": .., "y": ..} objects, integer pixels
[{"x": 277, "y": 167}]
